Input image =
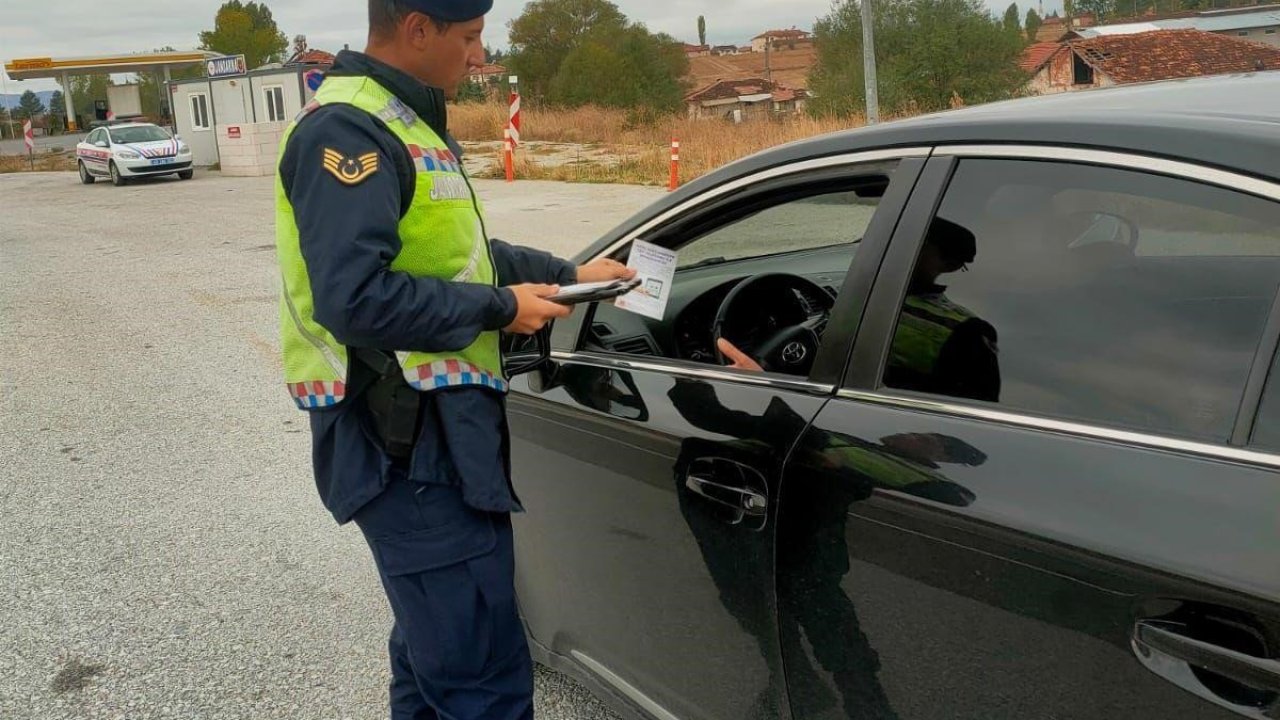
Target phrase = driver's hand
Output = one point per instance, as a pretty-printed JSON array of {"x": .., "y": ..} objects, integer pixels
[
  {"x": 603, "y": 270},
  {"x": 738, "y": 360}
]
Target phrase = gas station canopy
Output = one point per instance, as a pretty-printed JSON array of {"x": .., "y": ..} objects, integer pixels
[
  {"x": 62, "y": 70},
  {"x": 57, "y": 69}
]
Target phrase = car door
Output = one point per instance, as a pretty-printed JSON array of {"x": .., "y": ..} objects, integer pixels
[
  {"x": 650, "y": 475},
  {"x": 96, "y": 157},
  {"x": 1035, "y": 495}
]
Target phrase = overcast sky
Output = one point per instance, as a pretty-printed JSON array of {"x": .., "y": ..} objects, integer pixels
[{"x": 73, "y": 28}]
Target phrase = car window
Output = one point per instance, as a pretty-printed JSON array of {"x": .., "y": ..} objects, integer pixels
[
  {"x": 809, "y": 234},
  {"x": 139, "y": 134},
  {"x": 96, "y": 136},
  {"x": 1090, "y": 293},
  {"x": 815, "y": 221}
]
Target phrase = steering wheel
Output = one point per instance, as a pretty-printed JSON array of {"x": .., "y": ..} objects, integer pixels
[{"x": 791, "y": 349}]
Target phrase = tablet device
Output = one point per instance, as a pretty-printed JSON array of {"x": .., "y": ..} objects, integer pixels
[{"x": 593, "y": 292}]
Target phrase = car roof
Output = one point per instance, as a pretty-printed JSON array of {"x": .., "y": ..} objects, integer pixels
[
  {"x": 1230, "y": 121},
  {"x": 130, "y": 125}
]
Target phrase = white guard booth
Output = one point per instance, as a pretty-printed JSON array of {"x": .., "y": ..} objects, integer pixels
[{"x": 235, "y": 118}]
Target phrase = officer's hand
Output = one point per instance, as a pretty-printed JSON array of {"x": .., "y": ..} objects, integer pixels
[
  {"x": 604, "y": 269},
  {"x": 738, "y": 360},
  {"x": 532, "y": 312}
]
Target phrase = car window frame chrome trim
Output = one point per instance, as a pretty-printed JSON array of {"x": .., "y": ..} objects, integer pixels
[
  {"x": 822, "y": 163},
  {"x": 629, "y": 363},
  {"x": 1128, "y": 438},
  {"x": 1229, "y": 180}
]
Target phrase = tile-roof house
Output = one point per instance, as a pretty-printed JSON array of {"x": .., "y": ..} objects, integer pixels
[
  {"x": 1144, "y": 57},
  {"x": 487, "y": 74},
  {"x": 311, "y": 57},
  {"x": 780, "y": 38},
  {"x": 744, "y": 99},
  {"x": 1035, "y": 56}
]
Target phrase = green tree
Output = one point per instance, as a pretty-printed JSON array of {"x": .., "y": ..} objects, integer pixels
[
  {"x": 1100, "y": 8},
  {"x": 579, "y": 52},
  {"x": 246, "y": 29},
  {"x": 702, "y": 30},
  {"x": 928, "y": 52},
  {"x": 470, "y": 91},
  {"x": 1034, "y": 21},
  {"x": 58, "y": 111},
  {"x": 1013, "y": 19},
  {"x": 549, "y": 30},
  {"x": 29, "y": 106},
  {"x": 628, "y": 68},
  {"x": 85, "y": 90}
]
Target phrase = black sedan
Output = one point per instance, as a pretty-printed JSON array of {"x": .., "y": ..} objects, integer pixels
[{"x": 1012, "y": 449}]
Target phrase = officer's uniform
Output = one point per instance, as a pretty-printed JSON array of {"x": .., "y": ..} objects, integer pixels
[
  {"x": 943, "y": 348},
  {"x": 382, "y": 246}
]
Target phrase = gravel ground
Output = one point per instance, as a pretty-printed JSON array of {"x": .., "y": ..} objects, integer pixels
[{"x": 163, "y": 553}]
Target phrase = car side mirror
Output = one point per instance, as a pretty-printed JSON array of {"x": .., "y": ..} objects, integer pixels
[
  {"x": 530, "y": 355},
  {"x": 101, "y": 144}
]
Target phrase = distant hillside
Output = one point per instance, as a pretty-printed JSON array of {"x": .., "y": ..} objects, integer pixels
[
  {"x": 790, "y": 67},
  {"x": 11, "y": 101}
]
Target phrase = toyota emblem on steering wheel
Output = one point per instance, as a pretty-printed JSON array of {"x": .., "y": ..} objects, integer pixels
[{"x": 794, "y": 353}]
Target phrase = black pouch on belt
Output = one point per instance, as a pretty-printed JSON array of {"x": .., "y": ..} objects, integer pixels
[{"x": 392, "y": 402}]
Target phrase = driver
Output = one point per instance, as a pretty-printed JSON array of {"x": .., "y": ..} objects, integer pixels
[{"x": 940, "y": 347}]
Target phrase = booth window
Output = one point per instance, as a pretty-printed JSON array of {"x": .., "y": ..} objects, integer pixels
[
  {"x": 275, "y": 103},
  {"x": 200, "y": 111}
]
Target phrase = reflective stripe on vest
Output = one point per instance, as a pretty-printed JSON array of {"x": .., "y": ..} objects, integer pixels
[
  {"x": 442, "y": 235},
  {"x": 926, "y": 324}
]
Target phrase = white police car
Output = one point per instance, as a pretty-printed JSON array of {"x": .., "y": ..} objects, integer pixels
[{"x": 131, "y": 150}]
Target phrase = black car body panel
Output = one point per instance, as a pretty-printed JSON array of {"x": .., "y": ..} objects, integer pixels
[{"x": 1094, "y": 535}]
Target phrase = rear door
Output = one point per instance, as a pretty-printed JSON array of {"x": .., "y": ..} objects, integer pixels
[
  {"x": 1036, "y": 495},
  {"x": 650, "y": 474}
]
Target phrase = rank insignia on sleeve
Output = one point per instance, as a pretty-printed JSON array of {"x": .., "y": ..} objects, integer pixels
[{"x": 350, "y": 171}]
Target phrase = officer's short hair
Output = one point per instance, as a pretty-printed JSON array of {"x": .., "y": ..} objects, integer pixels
[{"x": 386, "y": 15}]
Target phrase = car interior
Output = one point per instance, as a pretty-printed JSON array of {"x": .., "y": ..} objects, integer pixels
[{"x": 764, "y": 277}]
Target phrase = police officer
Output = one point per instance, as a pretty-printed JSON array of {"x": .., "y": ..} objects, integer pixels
[{"x": 392, "y": 304}]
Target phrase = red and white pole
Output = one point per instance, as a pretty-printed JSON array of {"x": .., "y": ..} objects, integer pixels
[
  {"x": 29, "y": 136},
  {"x": 508, "y": 156},
  {"x": 513, "y": 118},
  {"x": 511, "y": 136},
  {"x": 675, "y": 165}
]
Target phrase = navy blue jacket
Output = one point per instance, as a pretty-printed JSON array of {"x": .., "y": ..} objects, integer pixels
[{"x": 349, "y": 236}]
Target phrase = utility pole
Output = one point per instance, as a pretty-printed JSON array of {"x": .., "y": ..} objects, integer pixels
[
  {"x": 869, "y": 63},
  {"x": 768, "y": 67}
]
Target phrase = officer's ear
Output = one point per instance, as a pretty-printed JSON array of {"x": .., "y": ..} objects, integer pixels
[{"x": 423, "y": 28}]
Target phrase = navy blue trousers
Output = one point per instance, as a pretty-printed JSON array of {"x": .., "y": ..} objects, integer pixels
[{"x": 458, "y": 650}]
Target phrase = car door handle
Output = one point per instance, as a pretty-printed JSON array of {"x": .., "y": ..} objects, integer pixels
[
  {"x": 1256, "y": 672},
  {"x": 749, "y": 502}
]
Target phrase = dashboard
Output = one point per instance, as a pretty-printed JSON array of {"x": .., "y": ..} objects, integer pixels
[{"x": 698, "y": 293}]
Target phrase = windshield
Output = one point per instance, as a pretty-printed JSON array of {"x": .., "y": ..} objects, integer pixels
[{"x": 144, "y": 133}]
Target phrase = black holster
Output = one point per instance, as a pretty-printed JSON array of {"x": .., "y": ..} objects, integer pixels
[{"x": 393, "y": 404}]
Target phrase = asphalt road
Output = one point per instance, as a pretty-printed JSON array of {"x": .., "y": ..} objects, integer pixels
[
  {"x": 43, "y": 144},
  {"x": 163, "y": 553}
]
